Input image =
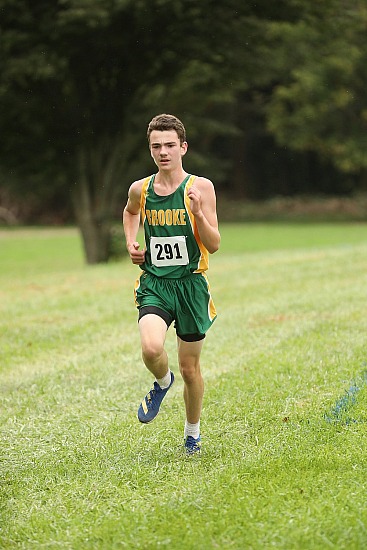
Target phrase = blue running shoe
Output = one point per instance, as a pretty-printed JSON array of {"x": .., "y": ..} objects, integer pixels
[
  {"x": 149, "y": 407},
  {"x": 192, "y": 445}
]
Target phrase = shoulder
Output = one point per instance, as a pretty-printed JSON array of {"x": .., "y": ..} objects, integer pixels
[
  {"x": 138, "y": 184},
  {"x": 204, "y": 184},
  {"x": 134, "y": 196},
  {"x": 136, "y": 187}
]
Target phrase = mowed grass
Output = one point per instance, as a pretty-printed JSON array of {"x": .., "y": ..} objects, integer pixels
[{"x": 284, "y": 423}]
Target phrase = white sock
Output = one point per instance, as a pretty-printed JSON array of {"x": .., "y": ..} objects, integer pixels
[
  {"x": 192, "y": 429},
  {"x": 165, "y": 381}
]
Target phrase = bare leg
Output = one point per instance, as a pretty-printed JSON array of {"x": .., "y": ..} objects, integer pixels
[
  {"x": 153, "y": 331},
  {"x": 153, "y": 334},
  {"x": 189, "y": 363}
]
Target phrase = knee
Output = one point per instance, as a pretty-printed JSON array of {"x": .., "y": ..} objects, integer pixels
[
  {"x": 151, "y": 352},
  {"x": 189, "y": 372}
]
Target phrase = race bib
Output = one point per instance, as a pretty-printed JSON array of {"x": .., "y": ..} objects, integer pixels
[{"x": 168, "y": 251}]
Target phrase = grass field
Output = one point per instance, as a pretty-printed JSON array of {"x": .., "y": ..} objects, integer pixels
[{"x": 284, "y": 423}]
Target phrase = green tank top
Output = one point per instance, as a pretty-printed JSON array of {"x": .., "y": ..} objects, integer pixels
[{"x": 173, "y": 245}]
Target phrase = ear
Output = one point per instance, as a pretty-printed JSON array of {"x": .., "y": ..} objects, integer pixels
[{"x": 184, "y": 147}]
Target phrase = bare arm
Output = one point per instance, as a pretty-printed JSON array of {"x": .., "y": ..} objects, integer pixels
[
  {"x": 131, "y": 223},
  {"x": 203, "y": 206}
]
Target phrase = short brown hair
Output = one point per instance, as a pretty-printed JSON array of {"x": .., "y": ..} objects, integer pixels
[{"x": 167, "y": 122}]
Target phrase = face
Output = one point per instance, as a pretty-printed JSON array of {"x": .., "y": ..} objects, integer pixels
[{"x": 166, "y": 149}]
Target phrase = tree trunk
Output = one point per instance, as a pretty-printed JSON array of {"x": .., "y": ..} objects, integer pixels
[
  {"x": 243, "y": 177},
  {"x": 93, "y": 205},
  {"x": 96, "y": 240}
]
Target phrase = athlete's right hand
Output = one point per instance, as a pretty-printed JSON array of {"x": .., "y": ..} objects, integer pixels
[{"x": 137, "y": 256}]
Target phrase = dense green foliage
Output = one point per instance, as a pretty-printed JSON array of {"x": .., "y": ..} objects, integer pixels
[
  {"x": 272, "y": 97},
  {"x": 284, "y": 418},
  {"x": 320, "y": 102}
]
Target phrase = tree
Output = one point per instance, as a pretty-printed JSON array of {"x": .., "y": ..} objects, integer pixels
[
  {"x": 80, "y": 80},
  {"x": 318, "y": 101}
]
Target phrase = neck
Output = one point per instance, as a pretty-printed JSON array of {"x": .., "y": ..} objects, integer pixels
[{"x": 170, "y": 178}]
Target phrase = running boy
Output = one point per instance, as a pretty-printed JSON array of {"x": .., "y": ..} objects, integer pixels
[{"x": 178, "y": 214}]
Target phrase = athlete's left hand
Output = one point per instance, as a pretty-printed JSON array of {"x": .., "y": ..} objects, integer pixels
[{"x": 195, "y": 200}]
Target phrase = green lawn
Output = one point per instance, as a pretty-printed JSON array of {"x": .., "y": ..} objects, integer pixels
[{"x": 284, "y": 423}]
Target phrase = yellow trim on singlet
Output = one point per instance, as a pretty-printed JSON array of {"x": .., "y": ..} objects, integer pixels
[
  {"x": 136, "y": 287},
  {"x": 212, "y": 312},
  {"x": 143, "y": 198},
  {"x": 204, "y": 254}
]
